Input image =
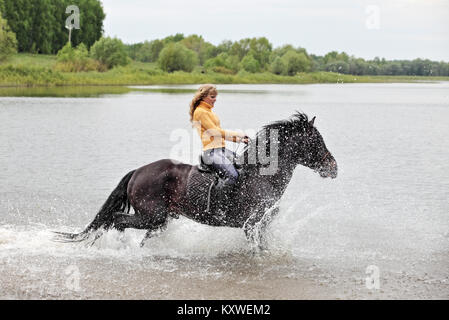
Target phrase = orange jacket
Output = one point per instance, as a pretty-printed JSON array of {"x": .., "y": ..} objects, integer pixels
[{"x": 208, "y": 126}]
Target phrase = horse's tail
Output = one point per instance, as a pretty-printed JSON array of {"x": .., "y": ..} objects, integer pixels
[{"x": 117, "y": 202}]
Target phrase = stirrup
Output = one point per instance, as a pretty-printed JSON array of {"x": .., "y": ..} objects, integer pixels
[
  {"x": 222, "y": 188},
  {"x": 219, "y": 192}
]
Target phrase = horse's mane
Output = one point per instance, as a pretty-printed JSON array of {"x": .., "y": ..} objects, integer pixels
[{"x": 296, "y": 123}]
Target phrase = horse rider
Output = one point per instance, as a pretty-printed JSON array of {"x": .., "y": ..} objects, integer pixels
[{"x": 213, "y": 137}]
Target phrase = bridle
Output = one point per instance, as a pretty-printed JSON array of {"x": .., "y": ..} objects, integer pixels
[{"x": 326, "y": 155}]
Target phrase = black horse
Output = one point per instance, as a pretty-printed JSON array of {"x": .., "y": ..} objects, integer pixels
[{"x": 165, "y": 189}]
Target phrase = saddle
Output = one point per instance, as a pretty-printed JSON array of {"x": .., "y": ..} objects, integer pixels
[
  {"x": 204, "y": 167},
  {"x": 200, "y": 183}
]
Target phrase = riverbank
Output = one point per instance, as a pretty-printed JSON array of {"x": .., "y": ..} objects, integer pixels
[{"x": 28, "y": 70}]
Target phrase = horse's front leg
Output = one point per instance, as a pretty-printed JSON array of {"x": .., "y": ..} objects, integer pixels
[{"x": 256, "y": 226}]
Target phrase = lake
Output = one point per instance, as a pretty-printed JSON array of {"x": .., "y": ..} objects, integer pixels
[{"x": 380, "y": 230}]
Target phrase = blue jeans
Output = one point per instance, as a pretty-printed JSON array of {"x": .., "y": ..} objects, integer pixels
[{"x": 219, "y": 158}]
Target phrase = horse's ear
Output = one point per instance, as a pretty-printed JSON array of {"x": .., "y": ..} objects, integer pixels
[{"x": 311, "y": 122}]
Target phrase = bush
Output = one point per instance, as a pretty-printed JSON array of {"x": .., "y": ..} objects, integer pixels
[
  {"x": 76, "y": 60},
  {"x": 8, "y": 41},
  {"x": 278, "y": 66},
  {"x": 29, "y": 75},
  {"x": 176, "y": 56},
  {"x": 223, "y": 60},
  {"x": 338, "y": 67},
  {"x": 110, "y": 51},
  {"x": 233, "y": 63},
  {"x": 66, "y": 54},
  {"x": 149, "y": 51},
  {"x": 197, "y": 44},
  {"x": 223, "y": 70},
  {"x": 296, "y": 62},
  {"x": 250, "y": 64},
  {"x": 218, "y": 61}
]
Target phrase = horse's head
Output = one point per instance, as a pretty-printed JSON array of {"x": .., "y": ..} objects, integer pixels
[
  {"x": 302, "y": 143},
  {"x": 312, "y": 151}
]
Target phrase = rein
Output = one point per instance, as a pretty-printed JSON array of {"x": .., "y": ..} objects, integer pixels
[{"x": 325, "y": 156}]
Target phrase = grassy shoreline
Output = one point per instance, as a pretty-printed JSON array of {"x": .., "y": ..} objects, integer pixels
[{"x": 28, "y": 70}]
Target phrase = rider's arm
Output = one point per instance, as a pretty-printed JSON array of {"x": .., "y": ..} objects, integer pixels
[{"x": 213, "y": 130}]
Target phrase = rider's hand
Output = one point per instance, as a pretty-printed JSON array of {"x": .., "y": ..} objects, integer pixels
[{"x": 244, "y": 139}]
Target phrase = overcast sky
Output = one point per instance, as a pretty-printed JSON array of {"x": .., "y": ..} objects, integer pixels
[{"x": 394, "y": 29}]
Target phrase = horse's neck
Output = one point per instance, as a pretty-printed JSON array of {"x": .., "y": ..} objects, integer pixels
[{"x": 278, "y": 174}]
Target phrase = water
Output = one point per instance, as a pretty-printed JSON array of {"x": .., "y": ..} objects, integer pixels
[{"x": 61, "y": 155}]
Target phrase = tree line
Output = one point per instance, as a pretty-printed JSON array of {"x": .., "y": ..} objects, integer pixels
[
  {"x": 38, "y": 26},
  {"x": 342, "y": 63},
  {"x": 178, "y": 52}
]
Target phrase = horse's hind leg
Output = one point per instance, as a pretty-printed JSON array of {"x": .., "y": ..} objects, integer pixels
[
  {"x": 123, "y": 221},
  {"x": 154, "y": 230},
  {"x": 154, "y": 218}
]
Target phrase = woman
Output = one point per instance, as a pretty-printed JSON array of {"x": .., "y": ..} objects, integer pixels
[{"x": 213, "y": 136}]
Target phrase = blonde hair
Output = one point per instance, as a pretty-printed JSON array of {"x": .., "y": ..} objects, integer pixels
[{"x": 202, "y": 92}]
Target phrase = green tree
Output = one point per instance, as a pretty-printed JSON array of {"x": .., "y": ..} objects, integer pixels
[
  {"x": 225, "y": 46},
  {"x": 260, "y": 49},
  {"x": 223, "y": 60},
  {"x": 372, "y": 68},
  {"x": 8, "y": 42},
  {"x": 250, "y": 64},
  {"x": 233, "y": 63},
  {"x": 40, "y": 24},
  {"x": 295, "y": 62},
  {"x": 280, "y": 51},
  {"x": 317, "y": 62},
  {"x": 19, "y": 14},
  {"x": 357, "y": 66},
  {"x": 218, "y": 61},
  {"x": 91, "y": 22},
  {"x": 43, "y": 29},
  {"x": 334, "y": 56},
  {"x": 240, "y": 48},
  {"x": 176, "y": 38},
  {"x": 110, "y": 51},
  {"x": 197, "y": 44},
  {"x": 176, "y": 56},
  {"x": 393, "y": 69},
  {"x": 156, "y": 47},
  {"x": 133, "y": 49},
  {"x": 278, "y": 66},
  {"x": 149, "y": 51},
  {"x": 338, "y": 66}
]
